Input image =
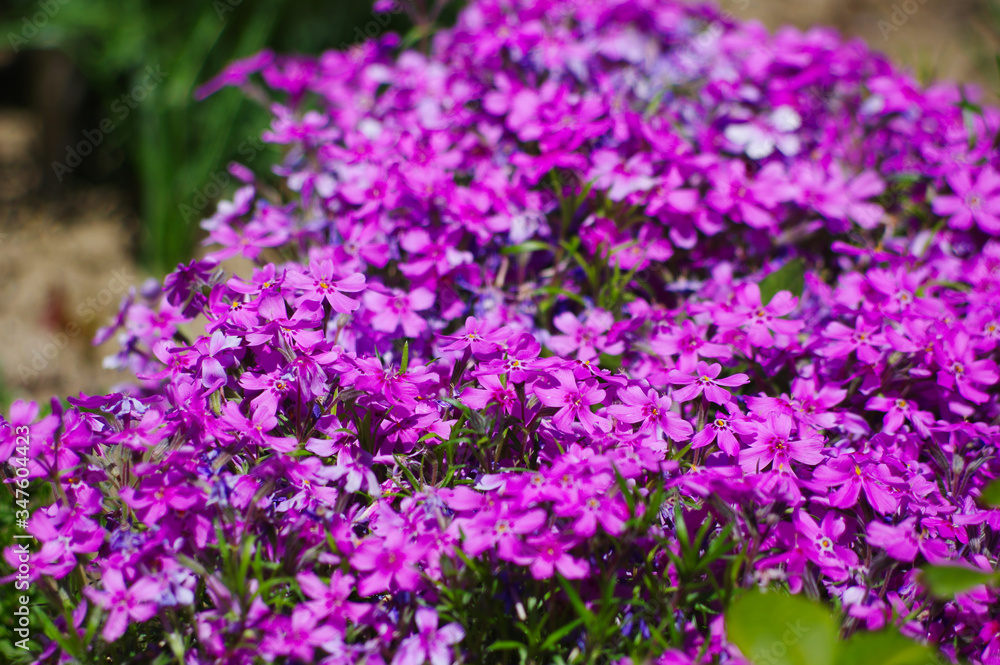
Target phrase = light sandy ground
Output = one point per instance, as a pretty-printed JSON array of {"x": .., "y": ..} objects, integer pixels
[
  {"x": 954, "y": 39},
  {"x": 64, "y": 267},
  {"x": 64, "y": 257}
]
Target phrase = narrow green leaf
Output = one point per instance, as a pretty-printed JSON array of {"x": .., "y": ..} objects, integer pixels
[
  {"x": 527, "y": 247},
  {"x": 574, "y": 598},
  {"x": 553, "y": 639}
]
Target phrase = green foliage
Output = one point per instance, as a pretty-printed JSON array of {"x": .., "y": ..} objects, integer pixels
[
  {"x": 775, "y": 628},
  {"x": 991, "y": 495}
]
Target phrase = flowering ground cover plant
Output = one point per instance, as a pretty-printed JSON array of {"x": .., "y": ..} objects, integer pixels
[{"x": 564, "y": 338}]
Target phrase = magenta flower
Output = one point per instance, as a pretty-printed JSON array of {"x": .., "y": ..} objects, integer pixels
[
  {"x": 573, "y": 401},
  {"x": 158, "y": 494},
  {"x": 865, "y": 340},
  {"x": 972, "y": 201},
  {"x": 398, "y": 309},
  {"x": 521, "y": 361},
  {"x": 320, "y": 284},
  {"x": 723, "y": 429},
  {"x": 899, "y": 410},
  {"x": 331, "y": 600},
  {"x": 705, "y": 380},
  {"x": 689, "y": 343},
  {"x": 501, "y": 526},
  {"x": 265, "y": 287},
  {"x": 757, "y": 320},
  {"x": 651, "y": 410},
  {"x": 852, "y": 474},
  {"x": 902, "y": 541},
  {"x": 218, "y": 356},
  {"x": 274, "y": 388},
  {"x": 430, "y": 643},
  {"x": 587, "y": 339},
  {"x": 773, "y": 445},
  {"x": 960, "y": 370},
  {"x": 544, "y": 555},
  {"x": 297, "y": 637},
  {"x": 387, "y": 560},
  {"x": 478, "y": 335},
  {"x": 123, "y": 604},
  {"x": 822, "y": 543},
  {"x": 493, "y": 392}
]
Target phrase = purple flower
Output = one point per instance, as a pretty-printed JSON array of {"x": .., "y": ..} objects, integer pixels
[
  {"x": 573, "y": 401},
  {"x": 651, "y": 410},
  {"x": 477, "y": 335},
  {"x": 972, "y": 200},
  {"x": 387, "y": 560},
  {"x": 430, "y": 643},
  {"x": 705, "y": 380},
  {"x": 123, "y": 604},
  {"x": 773, "y": 444},
  {"x": 757, "y": 320},
  {"x": 399, "y": 310},
  {"x": 320, "y": 284}
]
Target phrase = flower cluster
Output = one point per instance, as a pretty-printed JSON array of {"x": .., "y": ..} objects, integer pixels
[{"x": 563, "y": 332}]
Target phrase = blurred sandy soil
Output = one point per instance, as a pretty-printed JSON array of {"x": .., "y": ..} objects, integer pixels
[
  {"x": 64, "y": 254},
  {"x": 936, "y": 39}
]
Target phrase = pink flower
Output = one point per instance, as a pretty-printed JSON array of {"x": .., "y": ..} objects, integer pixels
[
  {"x": 320, "y": 284},
  {"x": 898, "y": 410},
  {"x": 865, "y": 340},
  {"x": 852, "y": 474},
  {"x": 387, "y": 560},
  {"x": 573, "y": 401},
  {"x": 960, "y": 370},
  {"x": 722, "y": 429},
  {"x": 123, "y": 603},
  {"x": 330, "y": 600},
  {"x": 478, "y": 335},
  {"x": 430, "y": 643},
  {"x": 588, "y": 339},
  {"x": 398, "y": 309},
  {"x": 705, "y": 381},
  {"x": 652, "y": 410},
  {"x": 903, "y": 542},
  {"x": 977, "y": 200},
  {"x": 546, "y": 554},
  {"x": 757, "y": 320},
  {"x": 773, "y": 445}
]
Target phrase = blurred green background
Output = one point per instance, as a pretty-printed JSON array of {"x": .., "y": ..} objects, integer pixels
[{"x": 141, "y": 61}]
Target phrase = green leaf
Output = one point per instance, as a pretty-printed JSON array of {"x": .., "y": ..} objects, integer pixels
[
  {"x": 553, "y": 639},
  {"x": 527, "y": 247},
  {"x": 946, "y": 581},
  {"x": 778, "y": 629},
  {"x": 574, "y": 598},
  {"x": 885, "y": 647},
  {"x": 990, "y": 495},
  {"x": 790, "y": 277},
  {"x": 610, "y": 363},
  {"x": 506, "y": 645}
]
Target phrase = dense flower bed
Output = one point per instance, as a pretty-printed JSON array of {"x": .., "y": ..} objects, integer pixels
[{"x": 560, "y": 335}]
